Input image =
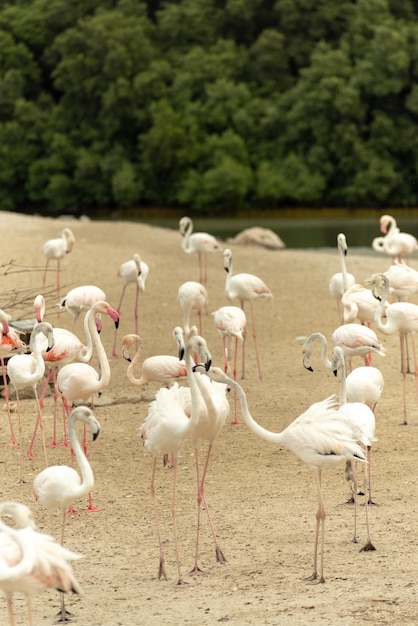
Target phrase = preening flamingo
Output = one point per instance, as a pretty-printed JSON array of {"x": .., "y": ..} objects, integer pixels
[
  {"x": 394, "y": 243},
  {"x": 201, "y": 243},
  {"x": 9, "y": 342},
  {"x": 403, "y": 281},
  {"x": 161, "y": 368},
  {"x": 164, "y": 432},
  {"x": 319, "y": 437},
  {"x": 55, "y": 250},
  {"x": 81, "y": 299},
  {"x": 401, "y": 318},
  {"x": 26, "y": 370},
  {"x": 342, "y": 280},
  {"x": 31, "y": 562},
  {"x": 192, "y": 296},
  {"x": 213, "y": 411},
  {"x": 230, "y": 322},
  {"x": 359, "y": 304},
  {"x": 245, "y": 288},
  {"x": 134, "y": 271}
]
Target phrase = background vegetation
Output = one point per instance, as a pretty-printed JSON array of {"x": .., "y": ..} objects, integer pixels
[{"x": 212, "y": 105}]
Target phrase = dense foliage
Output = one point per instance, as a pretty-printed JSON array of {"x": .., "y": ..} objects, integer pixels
[{"x": 212, "y": 105}]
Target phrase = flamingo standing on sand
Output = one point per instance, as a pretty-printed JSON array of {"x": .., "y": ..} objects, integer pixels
[
  {"x": 26, "y": 370},
  {"x": 341, "y": 281},
  {"x": 161, "y": 368},
  {"x": 401, "y": 318},
  {"x": 245, "y": 288},
  {"x": 192, "y": 296},
  {"x": 320, "y": 437},
  {"x": 230, "y": 322},
  {"x": 32, "y": 562},
  {"x": 81, "y": 299},
  {"x": 202, "y": 243},
  {"x": 134, "y": 271},
  {"x": 394, "y": 243},
  {"x": 164, "y": 432},
  {"x": 9, "y": 341},
  {"x": 213, "y": 412},
  {"x": 55, "y": 250}
]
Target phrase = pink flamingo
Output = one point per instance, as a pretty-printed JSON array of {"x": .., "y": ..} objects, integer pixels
[
  {"x": 135, "y": 271},
  {"x": 192, "y": 296},
  {"x": 403, "y": 281},
  {"x": 164, "y": 431},
  {"x": 230, "y": 322},
  {"x": 341, "y": 281},
  {"x": 81, "y": 299},
  {"x": 161, "y": 368},
  {"x": 358, "y": 303},
  {"x": 202, "y": 243},
  {"x": 56, "y": 249},
  {"x": 32, "y": 562},
  {"x": 246, "y": 288},
  {"x": 9, "y": 341},
  {"x": 79, "y": 382},
  {"x": 26, "y": 370},
  {"x": 395, "y": 243},
  {"x": 320, "y": 437}
]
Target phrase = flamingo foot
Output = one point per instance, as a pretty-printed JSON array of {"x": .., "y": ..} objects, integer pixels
[
  {"x": 91, "y": 508},
  {"x": 220, "y": 558},
  {"x": 64, "y": 617},
  {"x": 236, "y": 421},
  {"x": 314, "y": 579},
  {"x": 181, "y": 582},
  {"x": 369, "y": 547},
  {"x": 31, "y": 455},
  {"x": 63, "y": 445},
  {"x": 52, "y": 444},
  {"x": 72, "y": 511},
  {"x": 12, "y": 443},
  {"x": 196, "y": 571}
]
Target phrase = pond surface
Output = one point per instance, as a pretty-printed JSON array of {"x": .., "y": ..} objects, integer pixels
[{"x": 299, "y": 233}]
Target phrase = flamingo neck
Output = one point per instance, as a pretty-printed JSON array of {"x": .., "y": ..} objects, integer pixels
[
  {"x": 132, "y": 364},
  {"x": 87, "y": 483},
  {"x": 104, "y": 376}
]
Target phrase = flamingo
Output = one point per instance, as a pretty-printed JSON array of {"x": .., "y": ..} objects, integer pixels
[
  {"x": 31, "y": 561},
  {"x": 341, "y": 281},
  {"x": 26, "y": 370},
  {"x": 192, "y": 296},
  {"x": 81, "y": 299},
  {"x": 230, "y": 321},
  {"x": 358, "y": 412},
  {"x": 403, "y": 281},
  {"x": 395, "y": 243},
  {"x": 56, "y": 249},
  {"x": 319, "y": 437},
  {"x": 358, "y": 303},
  {"x": 213, "y": 412},
  {"x": 164, "y": 431},
  {"x": 9, "y": 341},
  {"x": 354, "y": 339},
  {"x": 162, "y": 368},
  {"x": 246, "y": 288},
  {"x": 202, "y": 243},
  {"x": 134, "y": 271},
  {"x": 402, "y": 318}
]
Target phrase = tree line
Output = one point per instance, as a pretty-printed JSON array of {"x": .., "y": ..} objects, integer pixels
[{"x": 210, "y": 105}]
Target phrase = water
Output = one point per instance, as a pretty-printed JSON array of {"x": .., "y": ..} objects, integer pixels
[{"x": 299, "y": 233}]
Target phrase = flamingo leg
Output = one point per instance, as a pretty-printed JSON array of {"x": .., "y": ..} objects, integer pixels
[
  {"x": 136, "y": 315},
  {"x": 39, "y": 422},
  {"x": 260, "y": 375},
  {"x": 196, "y": 569},
  {"x": 21, "y": 479},
  {"x": 114, "y": 354},
  {"x": 368, "y": 547},
  {"x": 6, "y": 397},
  {"x": 10, "y": 611},
  {"x": 320, "y": 523},
  {"x": 235, "y": 420},
  {"x": 161, "y": 568},
  {"x": 58, "y": 285},
  {"x": 244, "y": 335},
  {"x": 403, "y": 360},
  {"x": 174, "y": 517}
]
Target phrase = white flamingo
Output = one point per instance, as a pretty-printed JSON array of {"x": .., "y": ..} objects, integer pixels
[
  {"x": 164, "y": 432},
  {"x": 394, "y": 243},
  {"x": 320, "y": 437},
  {"x": 201, "y": 243},
  {"x": 31, "y": 562},
  {"x": 81, "y": 299},
  {"x": 230, "y": 322},
  {"x": 135, "y": 271},
  {"x": 55, "y": 250},
  {"x": 9, "y": 342},
  {"x": 342, "y": 280},
  {"x": 192, "y": 296},
  {"x": 26, "y": 370},
  {"x": 245, "y": 288}
]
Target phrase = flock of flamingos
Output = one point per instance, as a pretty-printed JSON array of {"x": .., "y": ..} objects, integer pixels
[{"x": 193, "y": 400}]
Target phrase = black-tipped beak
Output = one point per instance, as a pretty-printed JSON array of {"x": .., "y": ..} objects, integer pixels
[
  {"x": 308, "y": 367},
  {"x": 208, "y": 365},
  {"x": 181, "y": 354},
  {"x": 335, "y": 372},
  {"x": 117, "y": 324},
  {"x": 95, "y": 435}
]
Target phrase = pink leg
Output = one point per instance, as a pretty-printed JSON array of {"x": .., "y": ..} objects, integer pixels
[
  {"x": 235, "y": 420},
  {"x": 260, "y": 375},
  {"x": 244, "y": 334},
  {"x": 58, "y": 285},
  {"x": 404, "y": 367},
  {"x": 114, "y": 354},
  {"x": 45, "y": 388},
  {"x": 136, "y": 309},
  {"x": 174, "y": 516},
  {"x": 39, "y": 421},
  {"x": 161, "y": 569}
]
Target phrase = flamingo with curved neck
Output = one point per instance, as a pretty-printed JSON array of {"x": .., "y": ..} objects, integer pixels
[
  {"x": 342, "y": 280},
  {"x": 320, "y": 437}
]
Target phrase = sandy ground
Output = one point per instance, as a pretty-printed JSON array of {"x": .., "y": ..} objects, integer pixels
[{"x": 262, "y": 498}]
